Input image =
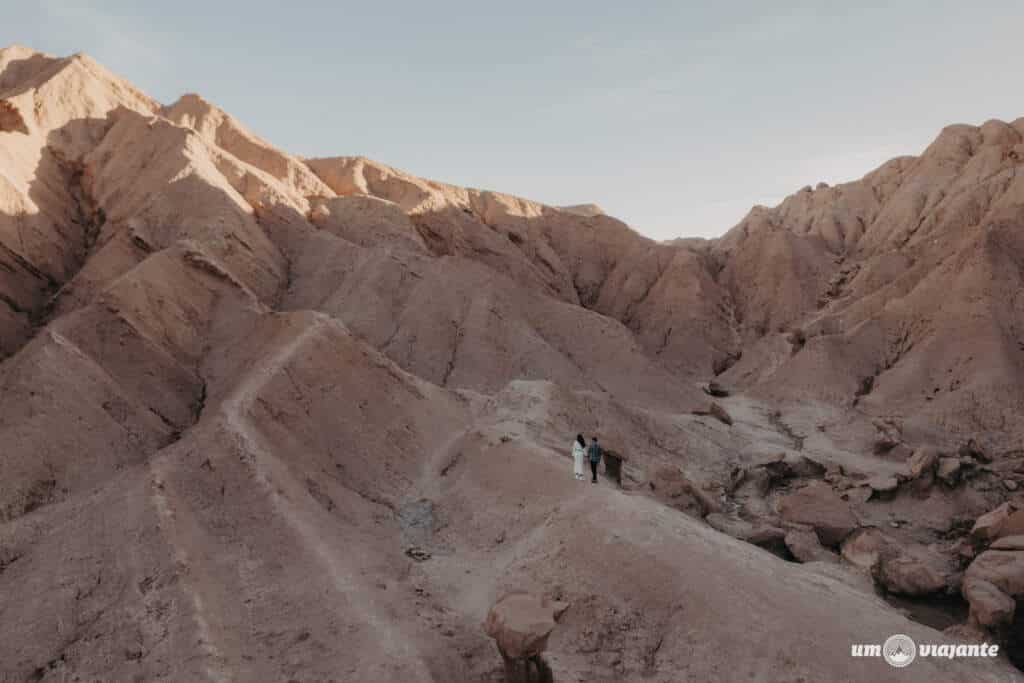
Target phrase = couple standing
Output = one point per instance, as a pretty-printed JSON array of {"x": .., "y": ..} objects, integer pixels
[{"x": 593, "y": 453}]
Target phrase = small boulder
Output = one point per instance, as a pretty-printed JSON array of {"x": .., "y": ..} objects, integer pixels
[
  {"x": 520, "y": 624},
  {"x": 948, "y": 470},
  {"x": 718, "y": 412},
  {"x": 990, "y": 607},
  {"x": 818, "y": 506},
  {"x": 715, "y": 389},
  {"x": 922, "y": 463},
  {"x": 883, "y": 484},
  {"x": 972, "y": 450}
]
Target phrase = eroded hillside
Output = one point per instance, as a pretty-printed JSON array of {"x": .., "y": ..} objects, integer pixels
[{"x": 270, "y": 418}]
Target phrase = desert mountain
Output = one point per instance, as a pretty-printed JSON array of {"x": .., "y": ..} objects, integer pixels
[{"x": 273, "y": 418}]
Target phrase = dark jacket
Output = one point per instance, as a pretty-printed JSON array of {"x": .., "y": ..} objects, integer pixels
[{"x": 594, "y": 452}]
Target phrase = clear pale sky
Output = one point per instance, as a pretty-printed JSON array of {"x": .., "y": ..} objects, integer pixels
[{"x": 673, "y": 116}]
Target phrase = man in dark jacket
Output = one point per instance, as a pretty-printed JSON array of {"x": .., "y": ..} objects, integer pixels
[{"x": 595, "y": 457}]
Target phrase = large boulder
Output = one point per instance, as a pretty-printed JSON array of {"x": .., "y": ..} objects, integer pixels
[
  {"x": 911, "y": 573},
  {"x": 818, "y": 506},
  {"x": 990, "y": 525},
  {"x": 1004, "y": 569},
  {"x": 990, "y": 607},
  {"x": 520, "y": 624}
]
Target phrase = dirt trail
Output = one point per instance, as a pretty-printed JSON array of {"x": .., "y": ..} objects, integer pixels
[{"x": 348, "y": 586}]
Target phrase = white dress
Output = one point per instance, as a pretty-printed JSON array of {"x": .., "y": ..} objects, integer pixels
[{"x": 577, "y": 460}]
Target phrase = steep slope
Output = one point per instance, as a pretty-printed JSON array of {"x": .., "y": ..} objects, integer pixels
[
  {"x": 54, "y": 110},
  {"x": 664, "y": 294},
  {"x": 900, "y": 290}
]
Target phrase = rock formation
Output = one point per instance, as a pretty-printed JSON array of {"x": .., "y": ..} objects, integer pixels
[{"x": 520, "y": 624}]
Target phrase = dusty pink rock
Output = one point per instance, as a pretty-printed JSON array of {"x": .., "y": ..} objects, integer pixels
[
  {"x": 910, "y": 574},
  {"x": 1004, "y": 569},
  {"x": 990, "y": 607},
  {"x": 990, "y": 525},
  {"x": 520, "y": 624},
  {"x": 820, "y": 507},
  {"x": 806, "y": 547}
]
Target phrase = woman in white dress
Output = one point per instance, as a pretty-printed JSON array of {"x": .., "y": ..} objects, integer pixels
[{"x": 579, "y": 450}]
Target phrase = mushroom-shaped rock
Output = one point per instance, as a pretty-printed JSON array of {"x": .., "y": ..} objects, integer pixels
[{"x": 520, "y": 624}]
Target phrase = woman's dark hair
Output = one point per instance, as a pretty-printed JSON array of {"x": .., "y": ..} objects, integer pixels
[{"x": 579, "y": 437}]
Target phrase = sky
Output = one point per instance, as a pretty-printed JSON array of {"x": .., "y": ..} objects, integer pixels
[{"x": 675, "y": 117}]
